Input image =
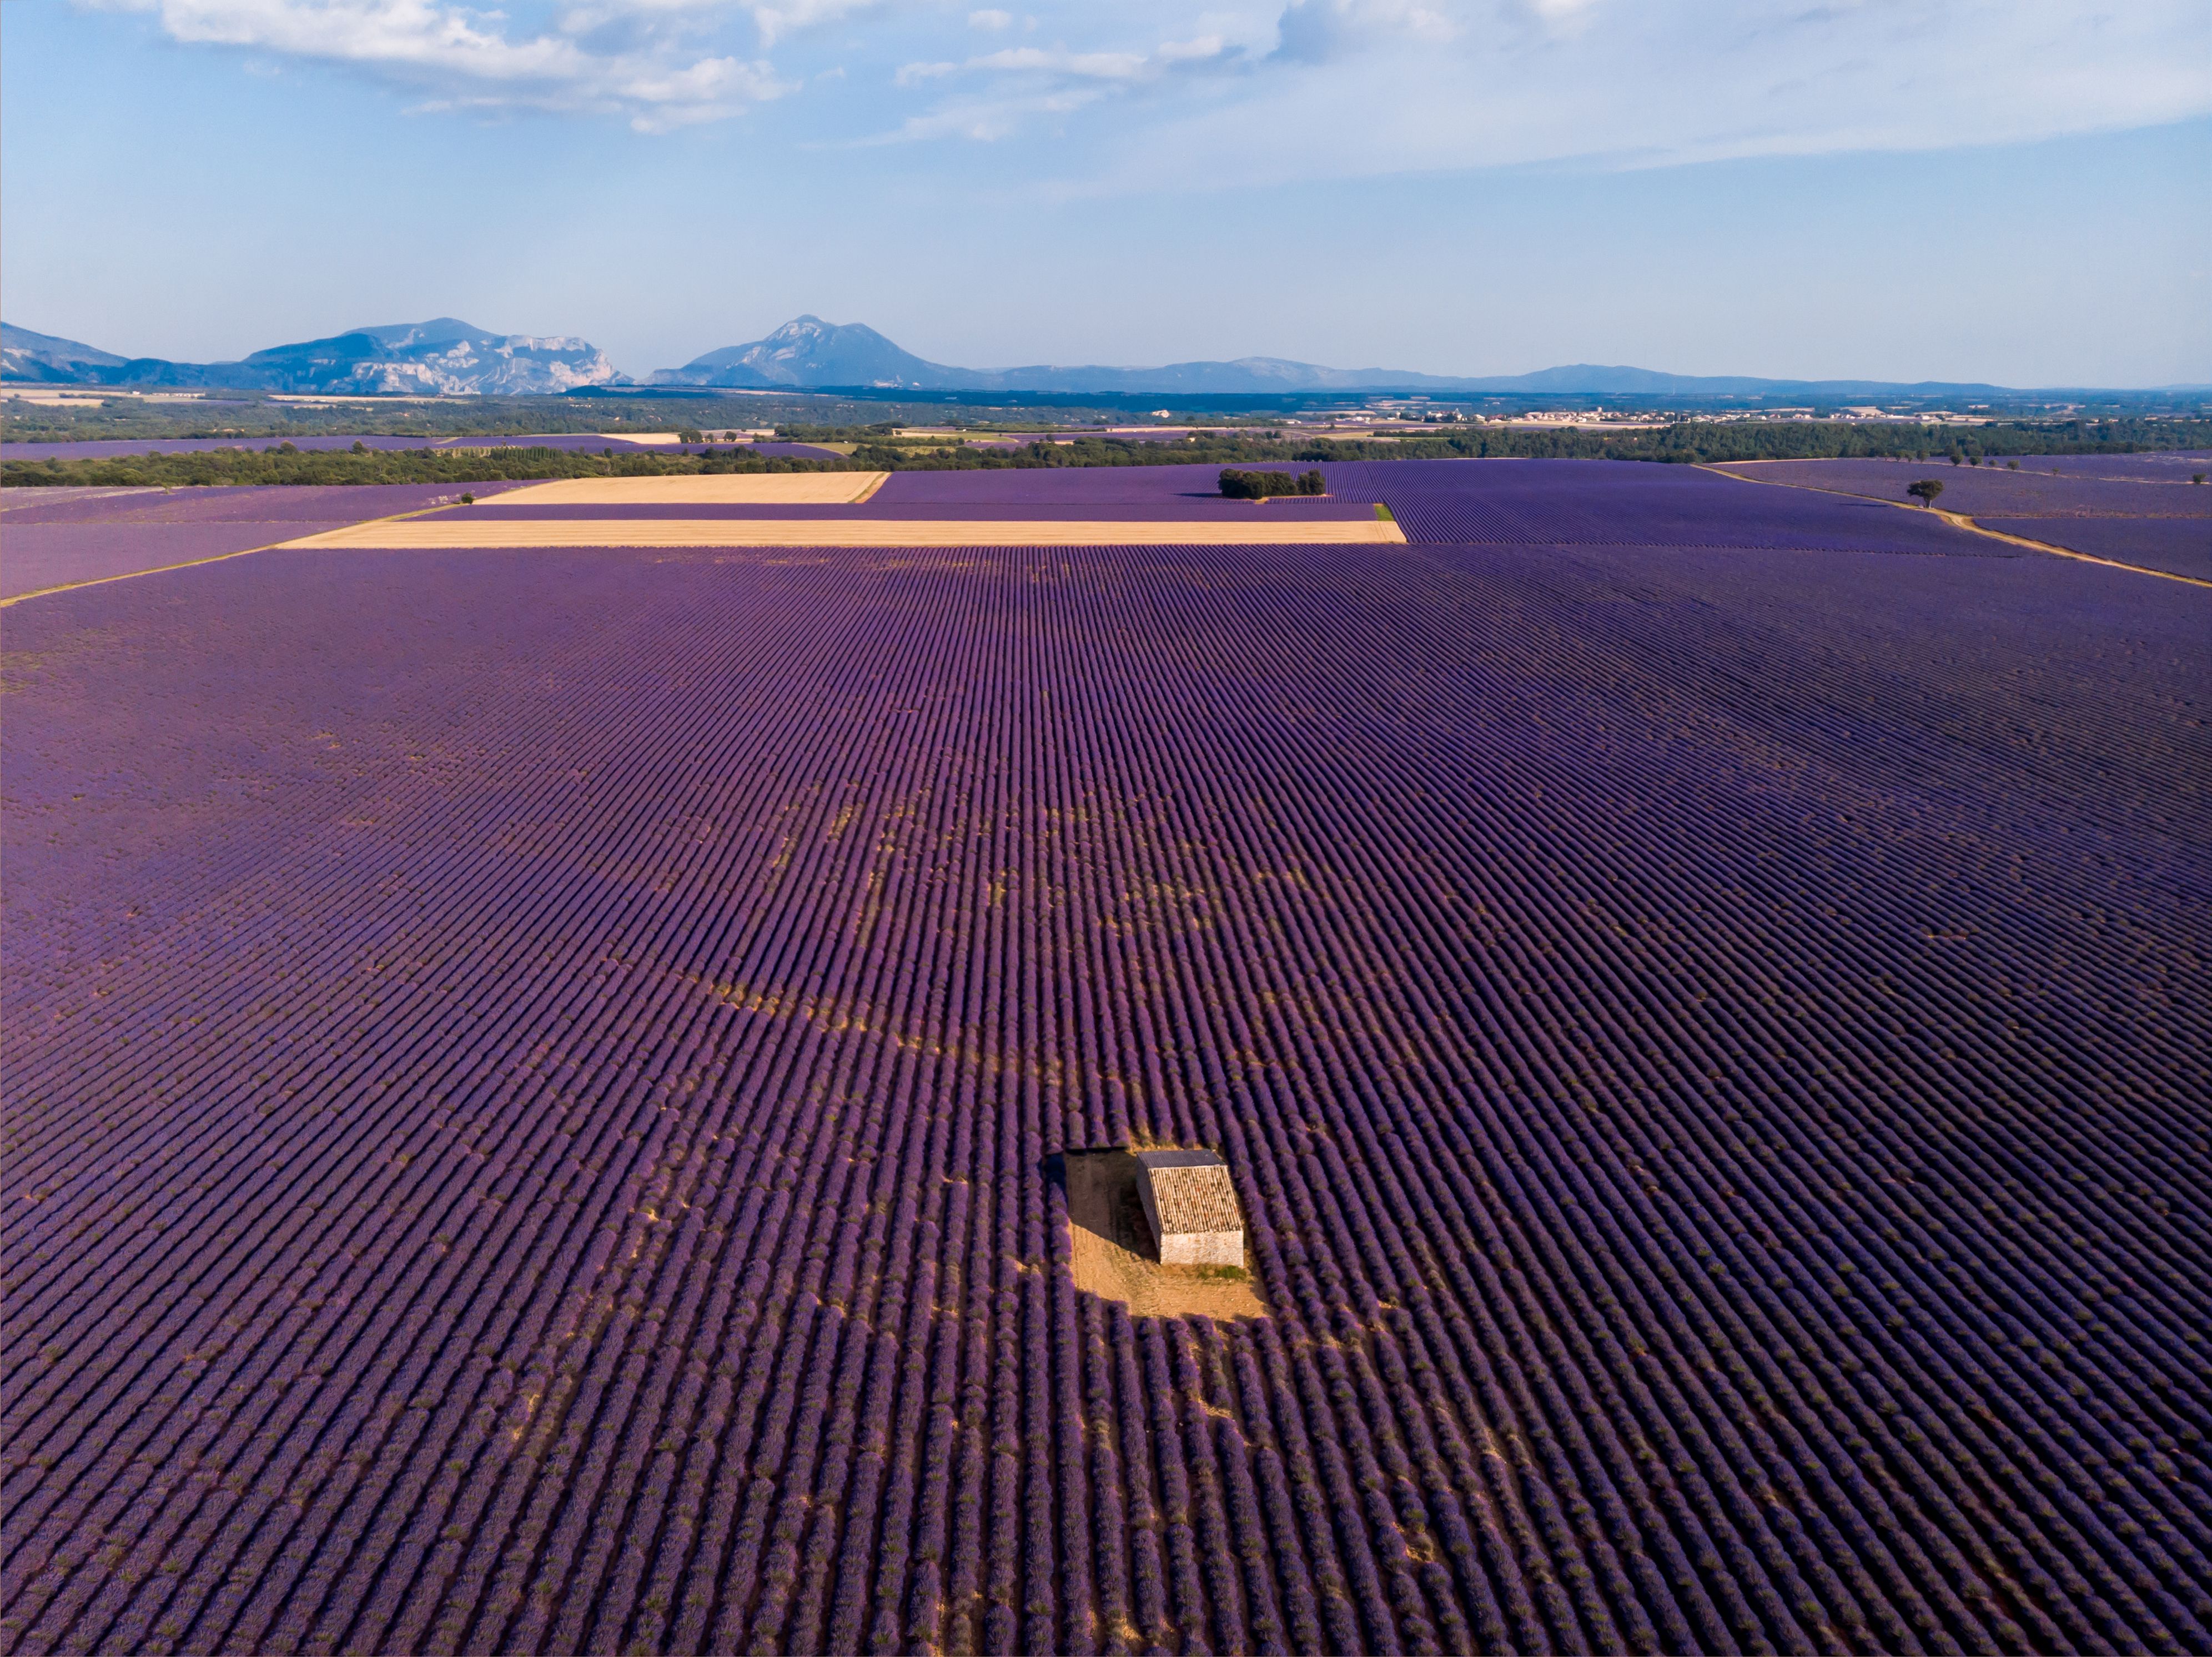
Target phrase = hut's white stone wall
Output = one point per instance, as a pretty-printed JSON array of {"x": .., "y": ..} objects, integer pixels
[{"x": 1191, "y": 1205}]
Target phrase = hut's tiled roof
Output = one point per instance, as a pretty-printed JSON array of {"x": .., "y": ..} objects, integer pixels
[{"x": 1192, "y": 1192}]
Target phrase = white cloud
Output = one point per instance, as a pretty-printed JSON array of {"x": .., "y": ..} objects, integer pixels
[
  {"x": 1320, "y": 30},
  {"x": 779, "y": 19},
  {"x": 1089, "y": 66},
  {"x": 1360, "y": 87},
  {"x": 1190, "y": 52},
  {"x": 1278, "y": 89},
  {"x": 466, "y": 60},
  {"x": 987, "y": 119},
  {"x": 1047, "y": 83},
  {"x": 1069, "y": 80},
  {"x": 385, "y": 32}
]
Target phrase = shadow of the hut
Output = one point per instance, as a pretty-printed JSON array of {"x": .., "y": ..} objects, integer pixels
[{"x": 1100, "y": 1185}]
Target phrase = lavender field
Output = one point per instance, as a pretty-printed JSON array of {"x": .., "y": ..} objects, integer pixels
[
  {"x": 1161, "y": 485},
  {"x": 2166, "y": 466},
  {"x": 1993, "y": 489},
  {"x": 2147, "y": 514},
  {"x": 52, "y": 538},
  {"x": 529, "y": 1099},
  {"x": 1627, "y": 503},
  {"x": 108, "y": 448},
  {"x": 1202, "y": 509},
  {"x": 2180, "y": 547}
]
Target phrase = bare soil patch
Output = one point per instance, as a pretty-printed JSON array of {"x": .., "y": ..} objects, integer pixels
[
  {"x": 1116, "y": 1256},
  {"x": 460, "y": 530},
  {"x": 700, "y": 489}
]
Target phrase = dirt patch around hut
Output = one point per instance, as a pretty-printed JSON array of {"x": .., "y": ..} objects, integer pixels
[{"x": 1116, "y": 1258}]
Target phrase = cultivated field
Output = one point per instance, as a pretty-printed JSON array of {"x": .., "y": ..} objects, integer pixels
[
  {"x": 52, "y": 538},
  {"x": 2136, "y": 509},
  {"x": 539, "y": 1092},
  {"x": 778, "y": 488},
  {"x": 518, "y": 531},
  {"x": 2180, "y": 547}
]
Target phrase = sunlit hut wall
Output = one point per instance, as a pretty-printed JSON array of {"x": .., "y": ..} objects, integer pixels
[{"x": 1192, "y": 1207}]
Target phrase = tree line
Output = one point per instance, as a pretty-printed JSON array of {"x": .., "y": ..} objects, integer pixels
[
  {"x": 1686, "y": 442},
  {"x": 362, "y": 465}
]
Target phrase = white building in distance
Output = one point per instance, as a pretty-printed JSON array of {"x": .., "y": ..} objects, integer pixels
[{"x": 1192, "y": 1207}]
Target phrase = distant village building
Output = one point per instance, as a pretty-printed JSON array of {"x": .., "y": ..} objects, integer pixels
[{"x": 1192, "y": 1206}]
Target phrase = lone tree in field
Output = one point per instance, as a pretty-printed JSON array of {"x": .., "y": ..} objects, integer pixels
[
  {"x": 1258, "y": 485},
  {"x": 1925, "y": 491}
]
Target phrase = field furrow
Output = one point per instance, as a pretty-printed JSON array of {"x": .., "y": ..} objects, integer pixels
[{"x": 537, "y": 1125}]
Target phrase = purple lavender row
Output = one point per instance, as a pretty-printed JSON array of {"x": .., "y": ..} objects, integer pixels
[
  {"x": 2180, "y": 547},
  {"x": 43, "y": 556},
  {"x": 591, "y": 442},
  {"x": 92, "y": 540},
  {"x": 2034, "y": 489},
  {"x": 572, "y": 1315},
  {"x": 2169, "y": 466},
  {"x": 1553, "y": 503},
  {"x": 1216, "y": 511},
  {"x": 312, "y": 503}
]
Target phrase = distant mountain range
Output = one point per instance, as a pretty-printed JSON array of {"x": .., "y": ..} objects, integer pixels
[
  {"x": 453, "y": 358},
  {"x": 808, "y": 352},
  {"x": 445, "y": 356}
]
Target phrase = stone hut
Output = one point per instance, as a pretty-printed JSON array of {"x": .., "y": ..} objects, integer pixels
[{"x": 1192, "y": 1206}]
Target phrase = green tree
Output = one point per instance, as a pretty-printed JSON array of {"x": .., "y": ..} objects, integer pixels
[{"x": 1925, "y": 491}]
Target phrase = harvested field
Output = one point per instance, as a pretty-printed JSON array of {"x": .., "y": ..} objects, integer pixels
[
  {"x": 471, "y": 531},
  {"x": 1114, "y": 1255},
  {"x": 811, "y": 488}
]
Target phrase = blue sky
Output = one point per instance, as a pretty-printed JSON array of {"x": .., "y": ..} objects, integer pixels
[{"x": 2002, "y": 190}]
